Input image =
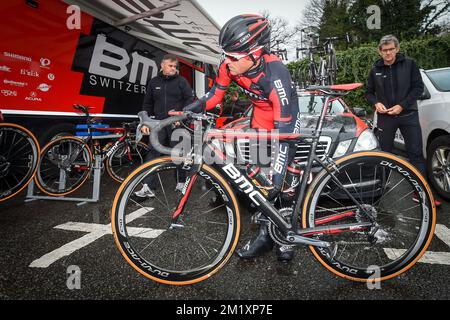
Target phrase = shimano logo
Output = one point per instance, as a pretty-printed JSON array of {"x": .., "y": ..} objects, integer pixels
[
  {"x": 243, "y": 184},
  {"x": 281, "y": 92},
  {"x": 16, "y": 56}
]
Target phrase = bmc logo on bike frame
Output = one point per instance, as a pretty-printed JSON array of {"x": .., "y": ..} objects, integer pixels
[{"x": 243, "y": 184}]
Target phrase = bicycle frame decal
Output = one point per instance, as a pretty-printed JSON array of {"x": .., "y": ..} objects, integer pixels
[
  {"x": 144, "y": 264},
  {"x": 244, "y": 184}
]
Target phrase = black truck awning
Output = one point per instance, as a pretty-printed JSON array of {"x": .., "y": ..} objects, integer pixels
[{"x": 184, "y": 28}]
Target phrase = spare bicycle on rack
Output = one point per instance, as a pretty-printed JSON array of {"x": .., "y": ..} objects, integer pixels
[
  {"x": 19, "y": 158},
  {"x": 67, "y": 162},
  {"x": 325, "y": 71},
  {"x": 358, "y": 214}
]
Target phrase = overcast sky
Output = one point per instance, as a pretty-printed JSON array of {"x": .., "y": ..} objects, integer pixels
[{"x": 224, "y": 10}]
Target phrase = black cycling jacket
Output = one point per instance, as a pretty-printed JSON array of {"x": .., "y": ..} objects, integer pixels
[
  {"x": 399, "y": 83},
  {"x": 165, "y": 93}
]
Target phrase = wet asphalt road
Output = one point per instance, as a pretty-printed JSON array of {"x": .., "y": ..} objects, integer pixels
[{"x": 29, "y": 233}]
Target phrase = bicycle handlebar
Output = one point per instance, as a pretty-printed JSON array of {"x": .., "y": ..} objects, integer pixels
[{"x": 156, "y": 126}]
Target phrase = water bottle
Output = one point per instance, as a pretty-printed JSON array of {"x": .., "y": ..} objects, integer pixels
[{"x": 291, "y": 181}]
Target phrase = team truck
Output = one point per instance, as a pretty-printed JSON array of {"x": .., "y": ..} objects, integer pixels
[{"x": 55, "y": 54}]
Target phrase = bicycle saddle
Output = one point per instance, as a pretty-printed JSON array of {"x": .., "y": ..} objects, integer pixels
[{"x": 84, "y": 109}]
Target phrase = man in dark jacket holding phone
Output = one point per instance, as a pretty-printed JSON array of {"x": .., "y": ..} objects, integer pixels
[{"x": 393, "y": 88}]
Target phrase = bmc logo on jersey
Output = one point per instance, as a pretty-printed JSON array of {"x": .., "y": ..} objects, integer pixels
[
  {"x": 117, "y": 58},
  {"x": 281, "y": 92}
]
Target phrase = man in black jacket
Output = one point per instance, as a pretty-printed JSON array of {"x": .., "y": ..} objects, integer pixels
[
  {"x": 165, "y": 92},
  {"x": 393, "y": 88}
]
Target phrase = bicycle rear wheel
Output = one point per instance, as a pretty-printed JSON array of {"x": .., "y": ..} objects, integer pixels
[
  {"x": 126, "y": 158},
  {"x": 65, "y": 165},
  {"x": 19, "y": 157},
  {"x": 398, "y": 198},
  {"x": 193, "y": 248}
]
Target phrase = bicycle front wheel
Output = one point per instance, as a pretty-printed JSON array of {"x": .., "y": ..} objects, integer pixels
[
  {"x": 126, "y": 158},
  {"x": 65, "y": 165},
  {"x": 397, "y": 198},
  {"x": 19, "y": 158},
  {"x": 184, "y": 251}
]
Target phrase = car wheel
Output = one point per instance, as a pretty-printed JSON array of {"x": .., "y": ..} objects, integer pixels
[{"x": 438, "y": 166}]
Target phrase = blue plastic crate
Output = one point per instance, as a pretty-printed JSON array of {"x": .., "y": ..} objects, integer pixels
[{"x": 85, "y": 133}]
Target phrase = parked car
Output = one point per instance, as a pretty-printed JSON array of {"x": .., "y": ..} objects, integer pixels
[
  {"x": 343, "y": 131},
  {"x": 434, "y": 115}
]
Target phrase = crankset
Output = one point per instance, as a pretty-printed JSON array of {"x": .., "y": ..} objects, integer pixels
[{"x": 275, "y": 233}]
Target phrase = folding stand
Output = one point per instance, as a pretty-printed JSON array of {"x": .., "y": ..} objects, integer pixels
[{"x": 62, "y": 182}]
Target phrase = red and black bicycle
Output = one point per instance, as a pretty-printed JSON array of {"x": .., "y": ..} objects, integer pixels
[
  {"x": 67, "y": 162},
  {"x": 358, "y": 215}
]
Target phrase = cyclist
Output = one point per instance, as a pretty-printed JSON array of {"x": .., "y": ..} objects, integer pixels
[{"x": 246, "y": 60}]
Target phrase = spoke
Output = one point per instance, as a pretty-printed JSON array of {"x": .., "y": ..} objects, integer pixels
[
  {"x": 209, "y": 238},
  {"x": 175, "y": 258},
  {"x": 146, "y": 247},
  {"x": 374, "y": 185},
  {"x": 164, "y": 192},
  {"x": 351, "y": 182},
  {"x": 199, "y": 244},
  {"x": 150, "y": 211},
  {"x": 162, "y": 203},
  {"x": 388, "y": 214},
  {"x": 206, "y": 193},
  {"x": 333, "y": 199},
  {"x": 343, "y": 250},
  {"x": 393, "y": 188},
  {"x": 18, "y": 151},
  {"x": 214, "y": 222},
  {"x": 327, "y": 209},
  {"x": 11, "y": 146},
  {"x": 213, "y": 209},
  {"x": 406, "y": 195},
  {"x": 379, "y": 257},
  {"x": 357, "y": 253},
  {"x": 360, "y": 181}
]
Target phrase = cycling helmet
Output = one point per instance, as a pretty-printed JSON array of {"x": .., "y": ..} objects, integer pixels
[{"x": 245, "y": 33}]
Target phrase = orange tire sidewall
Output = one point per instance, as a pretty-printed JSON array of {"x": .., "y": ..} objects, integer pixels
[
  {"x": 85, "y": 178},
  {"x": 433, "y": 215},
  {"x": 206, "y": 168}
]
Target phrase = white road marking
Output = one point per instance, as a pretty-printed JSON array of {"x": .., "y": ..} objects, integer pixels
[
  {"x": 95, "y": 232},
  {"x": 443, "y": 233}
]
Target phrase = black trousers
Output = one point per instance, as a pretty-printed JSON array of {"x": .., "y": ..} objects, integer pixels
[
  {"x": 409, "y": 126},
  {"x": 164, "y": 137}
]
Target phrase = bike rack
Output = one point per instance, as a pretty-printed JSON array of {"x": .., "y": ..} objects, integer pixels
[{"x": 31, "y": 196}]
